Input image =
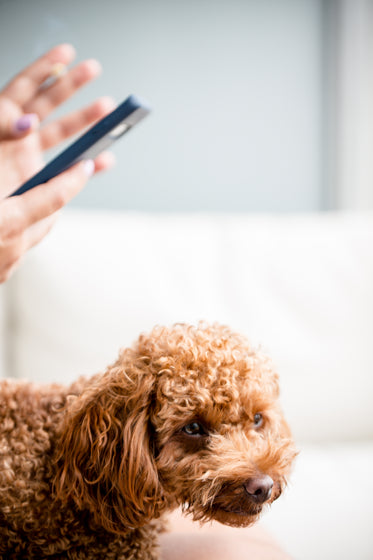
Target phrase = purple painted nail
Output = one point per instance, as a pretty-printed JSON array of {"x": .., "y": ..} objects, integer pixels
[{"x": 25, "y": 122}]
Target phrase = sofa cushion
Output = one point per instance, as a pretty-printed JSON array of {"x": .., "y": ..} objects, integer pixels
[
  {"x": 326, "y": 512},
  {"x": 300, "y": 286}
]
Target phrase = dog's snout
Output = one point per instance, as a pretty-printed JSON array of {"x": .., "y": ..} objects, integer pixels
[{"x": 259, "y": 488}]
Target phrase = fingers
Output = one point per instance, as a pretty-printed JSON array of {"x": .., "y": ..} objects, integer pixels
[
  {"x": 26, "y": 84},
  {"x": 104, "y": 161},
  {"x": 46, "y": 199},
  {"x": 25, "y": 91},
  {"x": 24, "y": 102},
  {"x": 20, "y": 212},
  {"x": 14, "y": 124},
  {"x": 57, "y": 131},
  {"x": 26, "y": 219},
  {"x": 46, "y": 100}
]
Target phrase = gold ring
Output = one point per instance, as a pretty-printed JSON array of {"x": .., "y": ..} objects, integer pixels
[{"x": 57, "y": 71}]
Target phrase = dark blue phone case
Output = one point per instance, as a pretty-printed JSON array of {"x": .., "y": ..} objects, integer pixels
[{"x": 94, "y": 141}]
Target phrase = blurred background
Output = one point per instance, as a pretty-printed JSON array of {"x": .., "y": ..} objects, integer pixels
[
  {"x": 243, "y": 200},
  {"x": 257, "y": 105}
]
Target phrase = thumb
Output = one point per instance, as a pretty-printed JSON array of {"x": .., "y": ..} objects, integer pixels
[{"x": 13, "y": 129}]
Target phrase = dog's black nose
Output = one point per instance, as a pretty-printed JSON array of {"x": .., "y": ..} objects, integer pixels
[{"x": 259, "y": 488}]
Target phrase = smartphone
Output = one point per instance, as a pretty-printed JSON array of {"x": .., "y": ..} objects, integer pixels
[{"x": 94, "y": 141}]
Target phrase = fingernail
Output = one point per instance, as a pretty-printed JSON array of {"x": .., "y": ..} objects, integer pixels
[
  {"x": 89, "y": 167},
  {"x": 25, "y": 122}
]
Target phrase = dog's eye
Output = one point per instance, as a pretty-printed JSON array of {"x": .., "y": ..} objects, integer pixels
[
  {"x": 258, "y": 420},
  {"x": 194, "y": 429}
]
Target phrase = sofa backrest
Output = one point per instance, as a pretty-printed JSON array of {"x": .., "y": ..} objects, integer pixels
[{"x": 299, "y": 286}]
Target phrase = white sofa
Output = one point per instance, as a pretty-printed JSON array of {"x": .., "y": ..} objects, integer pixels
[{"x": 301, "y": 286}]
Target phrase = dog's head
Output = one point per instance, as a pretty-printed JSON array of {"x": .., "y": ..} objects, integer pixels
[{"x": 189, "y": 417}]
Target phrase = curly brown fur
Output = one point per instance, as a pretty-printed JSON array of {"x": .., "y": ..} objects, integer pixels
[{"x": 187, "y": 417}]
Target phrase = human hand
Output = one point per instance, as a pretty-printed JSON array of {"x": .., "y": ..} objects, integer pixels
[
  {"x": 24, "y": 104},
  {"x": 26, "y": 219}
]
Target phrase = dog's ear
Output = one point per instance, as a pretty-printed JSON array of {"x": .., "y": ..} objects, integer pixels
[{"x": 105, "y": 457}]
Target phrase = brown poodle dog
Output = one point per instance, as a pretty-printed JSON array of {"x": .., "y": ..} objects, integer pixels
[{"x": 187, "y": 417}]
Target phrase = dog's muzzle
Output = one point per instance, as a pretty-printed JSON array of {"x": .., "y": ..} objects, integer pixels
[{"x": 259, "y": 488}]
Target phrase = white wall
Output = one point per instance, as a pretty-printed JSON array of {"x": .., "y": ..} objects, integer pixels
[{"x": 235, "y": 87}]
